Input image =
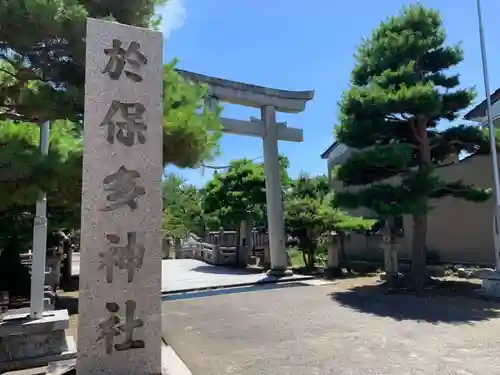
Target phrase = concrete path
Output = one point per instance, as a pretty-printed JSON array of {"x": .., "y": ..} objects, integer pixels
[
  {"x": 306, "y": 330},
  {"x": 182, "y": 275}
]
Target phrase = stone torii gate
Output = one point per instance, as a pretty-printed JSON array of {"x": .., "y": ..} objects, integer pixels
[{"x": 269, "y": 101}]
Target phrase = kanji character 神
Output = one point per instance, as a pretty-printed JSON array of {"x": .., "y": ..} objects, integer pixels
[{"x": 129, "y": 256}]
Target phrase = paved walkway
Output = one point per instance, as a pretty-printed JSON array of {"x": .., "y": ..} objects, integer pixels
[
  {"x": 306, "y": 330},
  {"x": 182, "y": 275},
  {"x": 188, "y": 274}
]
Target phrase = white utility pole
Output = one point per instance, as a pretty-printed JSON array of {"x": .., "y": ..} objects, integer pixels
[
  {"x": 39, "y": 248},
  {"x": 491, "y": 128}
]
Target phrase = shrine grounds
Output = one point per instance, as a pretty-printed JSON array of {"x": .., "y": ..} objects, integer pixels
[
  {"x": 307, "y": 327},
  {"x": 299, "y": 329}
]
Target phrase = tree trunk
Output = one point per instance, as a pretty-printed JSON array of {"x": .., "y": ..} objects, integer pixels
[
  {"x": 390, "y": 252},
  {"x": 419, "y": 260},
  {"x": 311, "y": 259},
  {"x": 304, "y": 258}
]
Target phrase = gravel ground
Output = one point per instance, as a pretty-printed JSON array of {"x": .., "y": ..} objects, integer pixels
[{"x": 306, "y": 330}]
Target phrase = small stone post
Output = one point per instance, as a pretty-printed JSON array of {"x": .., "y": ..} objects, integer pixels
[
  {"x": 216, "y": 254},
  {"x": 266, "y": 264},
  {"x": 333, "y": 260},
  {"x": 389, "y": 245},
  {"x": 167, "y": 247},
  {"x": 178, "y": 248},
  {"x": 244, "y": 249}
]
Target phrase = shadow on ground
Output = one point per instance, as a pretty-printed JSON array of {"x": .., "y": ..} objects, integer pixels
[
  {"x": 67, "y": 298},
  {"x": 67, "y": 302},
  {"x": 433, "y": 307}
]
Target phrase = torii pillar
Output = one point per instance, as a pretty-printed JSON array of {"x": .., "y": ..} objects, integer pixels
[
  {"x": 274, "y": 196},
  {"x": 269, "y": 101}
]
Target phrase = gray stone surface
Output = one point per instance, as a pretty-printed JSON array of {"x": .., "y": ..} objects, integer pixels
[
  {"x": 31, "y": 364},
  {"x": 25, "y": 343},
  {"x": 324, "y": 330},
  {"x": 20, "y": 324},
  {"x": 190, "y": 274},
  {"x": 20, "y": 347},
  {"x": 121, "y": 199},
  {"x": 252, "y": 95}
]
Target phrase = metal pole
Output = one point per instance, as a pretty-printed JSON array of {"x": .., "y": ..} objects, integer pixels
[
  {"x": 39, "y": 239},
  {"x": 491, "y": 128}
]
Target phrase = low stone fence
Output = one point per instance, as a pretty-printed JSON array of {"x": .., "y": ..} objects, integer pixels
[
  {"x": 209, "y": 253},
  {"x": 228, "y": 238}
]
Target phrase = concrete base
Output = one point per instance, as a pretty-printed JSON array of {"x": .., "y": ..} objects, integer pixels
[
  {"x": 27, "y": 343},
  {"x": 280, "y": 272},
  {"x": 171, "y": 364},
  {"x": 490, "y": 280}
]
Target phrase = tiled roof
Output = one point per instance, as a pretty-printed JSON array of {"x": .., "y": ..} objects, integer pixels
[
  {"x": 327, "y": 152},
  {"x": 480, "y": 109}
]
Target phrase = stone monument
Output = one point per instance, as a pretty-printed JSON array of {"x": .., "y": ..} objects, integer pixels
[{"x": 119, "y": 323}]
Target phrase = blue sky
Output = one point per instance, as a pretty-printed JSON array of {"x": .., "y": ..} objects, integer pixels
[{"x": 303, "y": 45}]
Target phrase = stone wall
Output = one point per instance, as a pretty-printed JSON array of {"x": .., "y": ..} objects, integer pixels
[{"x": 458, "y": 231}]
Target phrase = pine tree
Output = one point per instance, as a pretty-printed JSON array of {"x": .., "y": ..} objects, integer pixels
[
  {"x": 310, "y": 213},
  {"x": 42, "y": 78},
  {"x": 401, "y": 88}
]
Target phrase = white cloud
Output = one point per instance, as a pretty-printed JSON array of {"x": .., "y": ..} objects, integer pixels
[{"x": 173, "y": 16}]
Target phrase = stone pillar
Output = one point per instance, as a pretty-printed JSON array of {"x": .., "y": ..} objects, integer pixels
[
  {"x": 167, "y": 247},
  {"x": 119, "y": 323},
  {"x": 389, "y": 245},
  {"x": 333, "y": 260},
  {"x": 274, "y": 194},
  {"x": 245, "y": 238},
  {"x": 222, "y": 241},
  {"x": 216, "y": 254},
  {"x": 266, "y": 264},
  {"x": 54, "y": 263},
  {"x": 249, "y": 235}
]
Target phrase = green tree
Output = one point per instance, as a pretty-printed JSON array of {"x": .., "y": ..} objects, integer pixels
[
  {"x": 310, "y": 213},
  {"x": 182, "y": 210},
  {"x": 42, "y": 51},
  {"x": 401, "y": 88},
  {"x": 240, "y": 193},
  {"x": 42, "y": 62},
  {"x": 234, "y": 195}
]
